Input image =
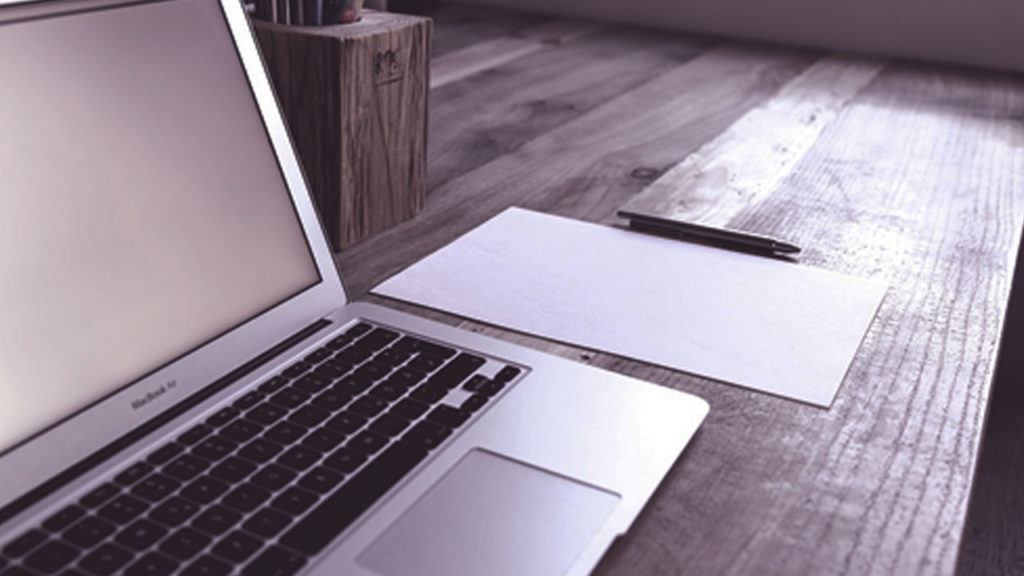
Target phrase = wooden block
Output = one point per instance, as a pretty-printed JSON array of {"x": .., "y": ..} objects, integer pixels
[{"x": 355, "y": 99}]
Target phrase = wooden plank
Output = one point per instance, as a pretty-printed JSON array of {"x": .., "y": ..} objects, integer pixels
[
  {"x": 919, "y": 180},
  {"x": 466, "y": 25},
  {"x": 588, "y": 167},
  {"x": 486, "y": 116},
  {"x": 747, "y": 162},
  {"x": 476, "y": 58}
]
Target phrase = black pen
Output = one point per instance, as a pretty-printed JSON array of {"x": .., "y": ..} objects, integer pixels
[{"x": 688, "y": 230}]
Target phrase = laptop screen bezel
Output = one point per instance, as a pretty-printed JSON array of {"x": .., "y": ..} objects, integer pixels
[{"x": 88, "y": 431}]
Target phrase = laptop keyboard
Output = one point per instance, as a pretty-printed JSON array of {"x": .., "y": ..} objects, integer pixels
[{"x": 271, "y": 479}]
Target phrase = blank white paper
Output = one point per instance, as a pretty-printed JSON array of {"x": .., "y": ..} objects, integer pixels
[{"x": 769, "y": 325}]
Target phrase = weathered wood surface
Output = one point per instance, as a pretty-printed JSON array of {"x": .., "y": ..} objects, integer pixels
[
  {"x": 355, "y": 98},
  {"x": 911, "y": 173}
]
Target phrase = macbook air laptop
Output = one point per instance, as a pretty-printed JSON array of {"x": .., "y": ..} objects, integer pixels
[{"x": 184, "y": 386}]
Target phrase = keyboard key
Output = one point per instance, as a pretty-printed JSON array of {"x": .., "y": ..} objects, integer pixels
[
  {"x": 359, "y": 329},
  {"x": 346, "y": 422},
  {"x": 389, "y": 424},
  {"x": 214, "y": 448},
  {"x": 507, "y": 374},
  {"x": 123, "y": 509},
  {"x": 449, "y": 416},
  {"x": 195, "y": 434},
  {"x": 405, "y": 378},
  {"x": 285, "y": 433},
  {"x": 174, "y": 511},
  {"x": 165, "y": 453},
  {"x": 392, "y": 357},
  {"x": 186, "y": 467},
  {"x": 274, "y": 477},
  {"x": 140, "y": 535},
  {"x": 217, "y": 520},
  {"x": 299, "y": 458},
  {"x": 185, "y": 543},
  {"x": 368, "y": 442},
  {"x": 51, "y": 557},
  {"x": 297, "y": 369},
  {"x": 156, "y": 487},
  {"x": 275, "y": 561},
  {"x": 353, "y": 385},
  {"x": 222, "y": 417},
  {"x": 345, "y": 460},
  {"x": 294, "y": 501},
  {"x": 89, "y": 532},
  {"x": 491, "y": 388},
  {"x": 372, "y": 371},
  {"x": 324, "y": 439},
  {"x": 410, "y": 408},
  {"x": 429, "y": 393},
  {"x": 237, "y": 547},
  {"x": 204, "y": 490},
  {"x": 313, "y": 383},
  {"x": 474, "y": 383},
  {"x": 427, "y": 434},
  {"x": 266, "y": 413},
  {"x": 378, "y": 338},
  {"x": 290, "y": 398},
  {"x": 273, "y": 385},
  {"x": 232, "y": 470},
  {"x": 246, "y": 498},
  {"x": 99, "y": 495},
  {"x": 475, "y": 402},
  {"x": 106, "y": 559},
  {"x": 133, "y": 474},
  {"x": 25, "y": 543},
  {"x": 368, "y": 406},
  {"x": 152, "y": 564},
  {"x": 354, "y": 355},
  {"x": 387, "y": 391},
  {"x": 267, "y": 522},
  {"x": 247, "y": 401},
  {"x": 242, "y": 430},
  {"x": 318, "y": 355},
  {"x": 309, "y": 416},
  {"x": 457, "y": 370},
  {"x": 260, "y": 450},
  {"x": 332, "y": 399},
  {"x": 207, "y": 566},
  {"x": 64, "y": 518},
  {"x": 425, "y": 363},
  {"x": 423, "y": 347},
  {"x": 334, "y": 369},
  {"x": 313, "y": 532},
  {"x": 321, "y": 480}
]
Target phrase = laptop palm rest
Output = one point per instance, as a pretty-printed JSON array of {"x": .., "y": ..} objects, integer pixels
[{"x": 492, "y": 515}]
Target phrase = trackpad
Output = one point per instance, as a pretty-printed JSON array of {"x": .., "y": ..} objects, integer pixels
[{"x": 492, "y": 515}]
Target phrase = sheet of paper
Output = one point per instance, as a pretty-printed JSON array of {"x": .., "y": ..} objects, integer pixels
[{"x": 762, "y": 323}]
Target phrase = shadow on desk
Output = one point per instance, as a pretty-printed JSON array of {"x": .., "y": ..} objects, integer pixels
[{"x": 993, "y": 540}]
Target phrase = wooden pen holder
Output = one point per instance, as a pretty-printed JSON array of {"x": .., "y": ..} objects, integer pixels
[{"x": 355, "y": 99}]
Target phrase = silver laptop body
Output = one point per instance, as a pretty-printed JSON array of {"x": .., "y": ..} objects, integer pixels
[{"x": 165, "y": 278}]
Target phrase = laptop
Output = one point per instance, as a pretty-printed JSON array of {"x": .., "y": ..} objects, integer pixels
[{"x": 185, "y": 387}]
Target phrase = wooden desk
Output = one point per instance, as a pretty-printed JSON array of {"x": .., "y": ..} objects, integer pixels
[{"x": 905, "y": 171}]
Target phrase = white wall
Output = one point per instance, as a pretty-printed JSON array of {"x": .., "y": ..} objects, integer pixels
[{"x": 989, "y": 33}]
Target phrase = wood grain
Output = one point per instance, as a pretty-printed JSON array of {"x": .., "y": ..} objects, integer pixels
[
  {"x": 355, "y": 98},
  {"x": 478, "y": 57},
  {"x": 911, "y": 173}
]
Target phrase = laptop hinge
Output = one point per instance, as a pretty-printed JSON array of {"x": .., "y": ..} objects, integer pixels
[{"x": 112, "y": 449}]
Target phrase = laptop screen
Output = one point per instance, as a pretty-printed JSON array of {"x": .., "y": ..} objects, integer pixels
[{"x": 143, "y": 210}]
